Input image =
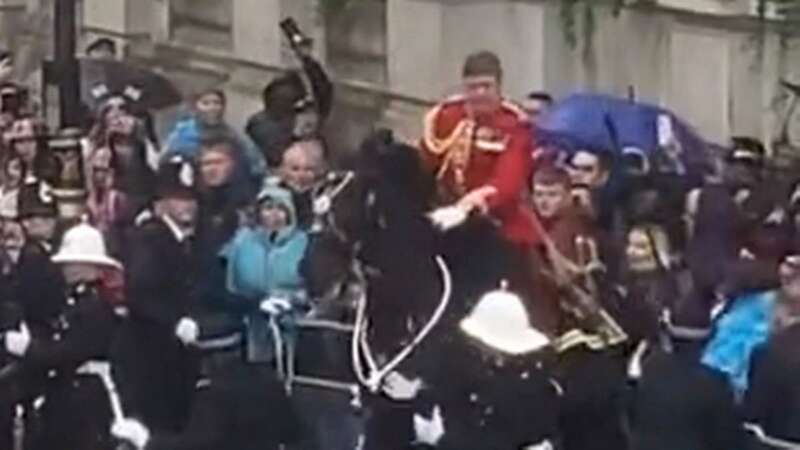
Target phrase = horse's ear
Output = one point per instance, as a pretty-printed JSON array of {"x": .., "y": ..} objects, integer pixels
[{"x": 376, "y": 143}]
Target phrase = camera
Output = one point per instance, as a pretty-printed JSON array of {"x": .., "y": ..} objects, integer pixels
[{"x": 293, "y": 33}]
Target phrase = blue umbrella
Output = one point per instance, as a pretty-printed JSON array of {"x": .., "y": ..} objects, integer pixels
[{"x": 601, "y": 123}]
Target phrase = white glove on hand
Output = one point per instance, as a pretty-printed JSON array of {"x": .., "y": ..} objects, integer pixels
[
  {"x": 275, "y": 306},
  {"x": 478, "y": 199},
  {"x": 544, "y": 445},
  {"x": 132, "y": 431},
  {"x": 398, "y": 387},
  {"x": 448, "y": 217},
  {"x": 187, "y": 331},
  {"x": 18, "y": 342},
  {"x": 429, "y": 431}
]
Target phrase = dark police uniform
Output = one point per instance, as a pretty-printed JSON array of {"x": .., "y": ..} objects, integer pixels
[{"x": 74, "y": 411}]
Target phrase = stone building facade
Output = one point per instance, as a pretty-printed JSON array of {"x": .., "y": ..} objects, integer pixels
[{"x": 710, "y": 60}]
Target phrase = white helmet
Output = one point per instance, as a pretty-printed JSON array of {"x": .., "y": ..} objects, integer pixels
[
  {"x": 500, "y": 321},
  {"x": 84, "y": 244}
]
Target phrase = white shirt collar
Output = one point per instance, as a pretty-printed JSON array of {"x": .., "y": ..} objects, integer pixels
[{"x": 179, "y": 234}]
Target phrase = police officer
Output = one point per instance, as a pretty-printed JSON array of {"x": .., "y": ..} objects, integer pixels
[
  {"x": 74, "y": 407},
  {"x": 154, "y": 359},
  {"x": 490, "y": 392}
]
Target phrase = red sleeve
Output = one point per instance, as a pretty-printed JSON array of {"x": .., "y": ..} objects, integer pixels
[{"x": 512, "y": 170}]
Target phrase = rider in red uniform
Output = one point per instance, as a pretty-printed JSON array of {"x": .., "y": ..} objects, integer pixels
[{"x": 479, "y": 147}]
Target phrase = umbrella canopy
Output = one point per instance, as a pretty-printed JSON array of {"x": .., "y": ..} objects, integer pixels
[
  {"x": 147, "y": 89},
  {"x": 601, "y": 123}
]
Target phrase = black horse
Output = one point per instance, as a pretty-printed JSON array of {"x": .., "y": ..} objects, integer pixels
[
  {"x": 378, "y": 219},
  {"x": 374, "y": 232}
]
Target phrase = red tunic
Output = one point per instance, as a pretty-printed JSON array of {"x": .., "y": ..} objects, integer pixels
[{"x": 467, "y": 153}]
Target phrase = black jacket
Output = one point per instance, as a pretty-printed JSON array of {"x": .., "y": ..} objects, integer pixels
[
  {"x": 82, "y": 331},
  {"x": 155, "y": 371},
  {"x": 683, "y": 404},
  {"x": 76, "y": 412},
  {"x": 272, "y": 128},
  {"x": 485, "y": 406},
  {"x": 39, "y": 286},
  {"x": 773, "y": 400},
  {"x": 242, "y": 407}
]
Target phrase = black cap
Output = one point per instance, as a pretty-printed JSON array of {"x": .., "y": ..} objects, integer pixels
[
  {"x": 36, "y": 200},
  {"x": 175, "y": 179},
  {"x": 748, "y": 149}
]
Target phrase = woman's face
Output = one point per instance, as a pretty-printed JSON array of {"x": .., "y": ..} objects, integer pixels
[
  {"x": 273, "y": 217},
  {"x": 26, "y": 149},
  {"x": 120, "y": 123},
  {"x": 13, "y": 239},
  {"x": 640, "y": 252},
  {"x": 210, "y": 109},
  {"x": 13, "y": 173}
]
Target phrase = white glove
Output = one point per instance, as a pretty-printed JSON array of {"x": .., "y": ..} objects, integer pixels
[
  {"x": 187, "y": 331},
  {"x": 398, "y": 387},
  {"x": 448, "y": 217},
  {"x": 132, "y": 431},
  {"x": 478, "y": 199},
  {"x": 18, "y": 342},
  {"x": 275, "y": 306},
  {"x": 635, "y": 364},
  {"x": 544, "y": 445},
  {"x": 429, "y": 431}
]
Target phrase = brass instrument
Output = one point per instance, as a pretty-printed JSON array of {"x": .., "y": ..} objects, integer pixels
[{"x": 580, "y": 294}]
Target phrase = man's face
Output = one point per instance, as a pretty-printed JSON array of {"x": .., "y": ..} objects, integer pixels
[
  {"x": 300, "y": 169},
  {"x": 550, "y": 199},
  {"x": 482, "y": 93},
  {"x": 40, "y": 228},
  {"x": 75, "y": 273},
  {"x": 181, "y": 210},
  {"x": 306, "y": 124},
  {"x": 210, "y": 109},
  {"x": 535, "y": 108},
  {"x": 790, "y": 276},
  {"x": 585, "y": 170},
  {"x": 216, "y": 166},
  {"x": 742, "y": 173}
]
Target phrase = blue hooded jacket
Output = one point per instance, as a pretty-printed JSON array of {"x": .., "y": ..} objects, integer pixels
[
  {"x": 260, "y": 266},
  {"x": 185, "y": 138}
]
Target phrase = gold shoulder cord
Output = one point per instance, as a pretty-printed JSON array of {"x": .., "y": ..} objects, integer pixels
[{"x": 455, "y": 147}]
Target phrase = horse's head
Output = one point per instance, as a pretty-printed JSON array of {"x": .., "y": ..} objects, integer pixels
[
  {"x": 383, "y": 194},
  {"x": 385, "y": 186}
]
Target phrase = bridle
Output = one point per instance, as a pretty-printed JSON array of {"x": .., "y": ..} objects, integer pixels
[
  {"x": 323, "y": 198},
  {"x": 364, "y": 362}
]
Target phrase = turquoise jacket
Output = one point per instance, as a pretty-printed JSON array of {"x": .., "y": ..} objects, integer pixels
[{"x": 260, "y": 266}]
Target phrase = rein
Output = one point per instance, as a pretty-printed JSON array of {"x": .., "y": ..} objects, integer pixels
[
  {"x": 365, "y": 365},
  {"x": 372, "y": 376}
]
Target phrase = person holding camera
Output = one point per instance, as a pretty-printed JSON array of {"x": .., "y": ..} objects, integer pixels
[{"x": 295, "y": 104}]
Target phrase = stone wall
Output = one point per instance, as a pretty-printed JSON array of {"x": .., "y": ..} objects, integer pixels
[{"x": 392, "y": 58}]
